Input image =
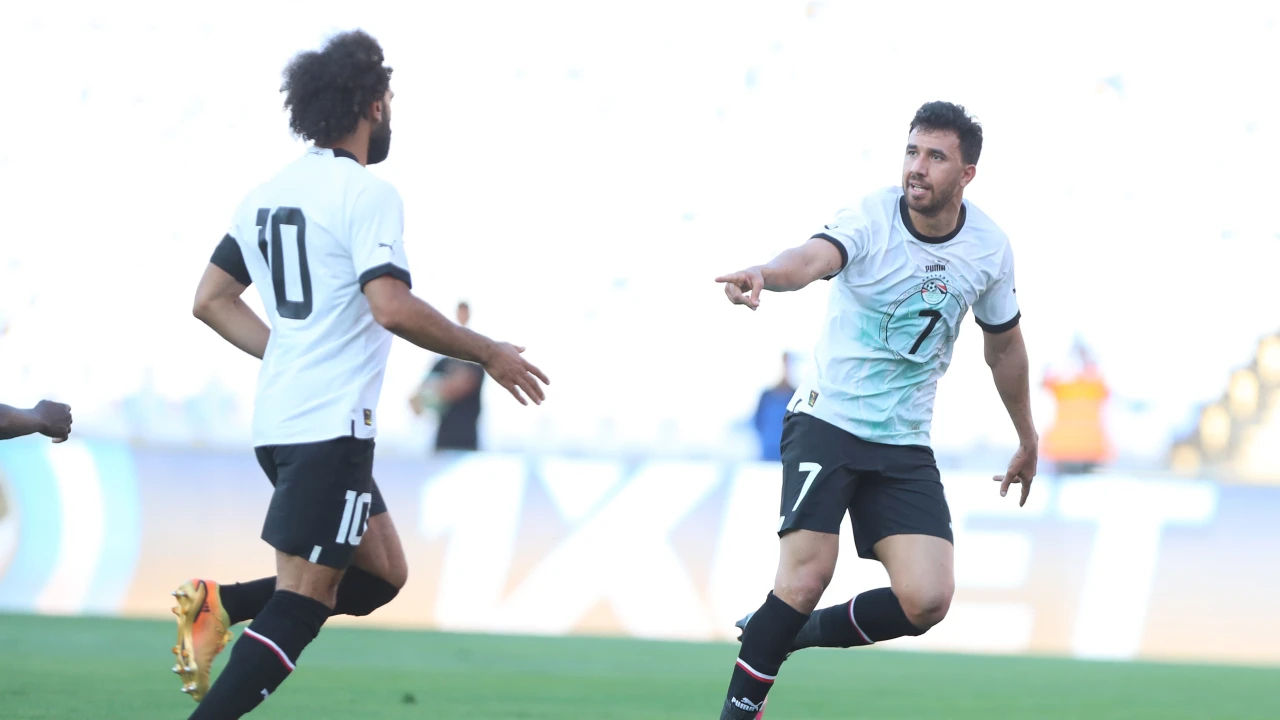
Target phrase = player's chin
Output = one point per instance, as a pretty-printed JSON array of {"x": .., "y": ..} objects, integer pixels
[{"x": 920, "y": 200}]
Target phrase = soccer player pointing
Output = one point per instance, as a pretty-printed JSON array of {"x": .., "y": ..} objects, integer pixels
[{"x": 906, "y": 264}]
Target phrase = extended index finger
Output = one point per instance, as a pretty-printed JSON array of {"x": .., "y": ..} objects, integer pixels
[
  {"x": 1026, "y": 491},
  {"x": 1005, "y": 481}
]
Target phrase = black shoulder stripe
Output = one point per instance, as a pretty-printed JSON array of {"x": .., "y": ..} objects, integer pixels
[
  {"x": 391, "y": 269},
  {"x": 228, "y": 257},
  {"x": 844, "y": 254},
  {"x": 1002, "y": 327}
]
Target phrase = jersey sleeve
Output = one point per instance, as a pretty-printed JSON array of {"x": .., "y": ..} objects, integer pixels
[
  {"x": 849, "y": 232},
  {"x": 377, "y": 235},
  {"x": 230, "y": 258},
  {"x": 996, "y": 309}
]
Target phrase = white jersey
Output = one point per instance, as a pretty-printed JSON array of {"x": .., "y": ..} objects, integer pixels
[
  {"x": 895, "y": 310},
  {"x": 310, "y": 239}
]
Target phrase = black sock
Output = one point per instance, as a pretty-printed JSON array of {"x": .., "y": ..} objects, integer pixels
[
  {"x": 871, "y": 617},
  {"x": 243, "y": 601},
  {"x": 360, "y": 593},
  {"x": 765, "y": 645},
  {"x": 264, "y": 655}
]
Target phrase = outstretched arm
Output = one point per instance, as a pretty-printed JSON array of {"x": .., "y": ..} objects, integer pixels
[
  {"x": 792, "y": 269},
  {"x": 403, "y": 313},
  {"x": 219, "y": 306},
  {"x": 1006, "y": 355}
]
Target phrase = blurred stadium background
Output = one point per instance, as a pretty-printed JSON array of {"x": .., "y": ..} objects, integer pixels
[{"x": 578, "y": 172}]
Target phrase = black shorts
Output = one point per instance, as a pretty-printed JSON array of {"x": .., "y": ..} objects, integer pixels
[
  {"x": 886, "y": 489},
  {"x": 324, "y": 497}
]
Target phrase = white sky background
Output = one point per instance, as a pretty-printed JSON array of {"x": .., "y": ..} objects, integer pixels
[{"x": 580, "y": 171}]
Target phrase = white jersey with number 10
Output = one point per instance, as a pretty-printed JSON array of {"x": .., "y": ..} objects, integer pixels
[{"x": 310, "y": 239}]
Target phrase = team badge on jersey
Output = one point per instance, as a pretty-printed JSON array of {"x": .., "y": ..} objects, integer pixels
[
  {"x": 934, "y": 291},
  {"x": 918, "y": 325}
]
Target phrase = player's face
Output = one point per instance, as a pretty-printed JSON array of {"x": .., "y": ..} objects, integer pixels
[
  {"x": 380, "y": 136},
  {"x": 933, "y": 172}
]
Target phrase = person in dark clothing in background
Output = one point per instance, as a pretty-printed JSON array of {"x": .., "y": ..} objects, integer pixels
[
  {"x": 452, "y": 390},
  {"x": 769, "y": 413}
]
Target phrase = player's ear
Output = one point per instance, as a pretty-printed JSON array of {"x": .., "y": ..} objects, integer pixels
[
  {"x": 969, "y": 172},
  {"x": 375, "y": 111}
]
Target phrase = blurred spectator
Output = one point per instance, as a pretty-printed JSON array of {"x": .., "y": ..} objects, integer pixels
[
  {"x": 770, "y": 410},
  {"x": 452, "y": 390},
  {"x": 1077, "y": 442}
]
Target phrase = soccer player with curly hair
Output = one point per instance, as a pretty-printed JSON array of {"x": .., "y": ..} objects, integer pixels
[{"x": 322, "y": 240}]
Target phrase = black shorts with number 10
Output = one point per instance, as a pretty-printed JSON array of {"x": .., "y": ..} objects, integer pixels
[
  {"x": 324, "y": 496},
  {"x": 885, "y": 489}
]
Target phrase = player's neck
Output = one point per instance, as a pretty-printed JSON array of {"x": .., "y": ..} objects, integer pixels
[
  {"x": 356, "y": 143},
  {"x": 940, "y": 224}
]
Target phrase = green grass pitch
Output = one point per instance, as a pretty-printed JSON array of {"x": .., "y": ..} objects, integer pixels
[{"x": 115, "y": 669}]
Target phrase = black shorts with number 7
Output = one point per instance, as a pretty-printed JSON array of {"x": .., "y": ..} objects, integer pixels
[
  {"x": 324, "y": 496},
  {"x": 885, "y": 489}
]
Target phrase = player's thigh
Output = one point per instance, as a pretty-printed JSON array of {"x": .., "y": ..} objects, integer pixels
[
  {"x": 901, "y": 494},
  {"x": 816, "y": 488},
  {"x": 380, "y": 551},
  {"x": 323, "y": 496},
  {"x": 816, "y": 484}
]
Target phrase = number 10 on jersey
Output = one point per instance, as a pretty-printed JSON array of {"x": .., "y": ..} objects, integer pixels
[{"x": 273, "y": 253}]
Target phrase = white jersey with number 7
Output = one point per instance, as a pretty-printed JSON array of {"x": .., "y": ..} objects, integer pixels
[{"x": 895, "y": 310}]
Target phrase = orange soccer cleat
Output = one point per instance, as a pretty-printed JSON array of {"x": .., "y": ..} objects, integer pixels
[{"x": 203, "y": 631}]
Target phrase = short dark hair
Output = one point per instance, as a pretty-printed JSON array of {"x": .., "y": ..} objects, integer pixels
[
  {"x": 327, "y": 92},
  {"x": 938, "y": 115}
]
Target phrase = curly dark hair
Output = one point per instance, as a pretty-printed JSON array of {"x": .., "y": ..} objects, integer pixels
[
  {"x": 938, "y": 115},
  {"x": 327, "y": 92}
]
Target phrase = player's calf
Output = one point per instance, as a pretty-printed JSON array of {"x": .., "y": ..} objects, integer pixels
[
  {"x": 765, "y": 645},
  {"x": 269, "y": 649}
]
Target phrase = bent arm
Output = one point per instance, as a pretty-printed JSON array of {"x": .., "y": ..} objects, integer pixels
[
  {"x": 1006, "y": 355},
  {"x": 219, "y": 306}
]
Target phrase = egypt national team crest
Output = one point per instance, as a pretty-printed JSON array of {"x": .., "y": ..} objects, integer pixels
[
  {"x": 934, "y": 291},
  {"x": 922, "y": 322}
]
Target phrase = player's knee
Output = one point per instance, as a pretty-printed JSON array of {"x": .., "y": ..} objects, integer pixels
[
  {"x": 926, "y": 606},
  {"x": 802, "y": 590}
]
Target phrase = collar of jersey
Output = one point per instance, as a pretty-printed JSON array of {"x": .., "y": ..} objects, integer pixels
[
  {"x": 339, "y": 152},
  {"x": 906, "y": 220}
]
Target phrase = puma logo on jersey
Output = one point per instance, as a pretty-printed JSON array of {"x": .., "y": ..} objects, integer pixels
[
  {"x": 935, "y": 268},
  {"x": 386, "y": 245}
]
